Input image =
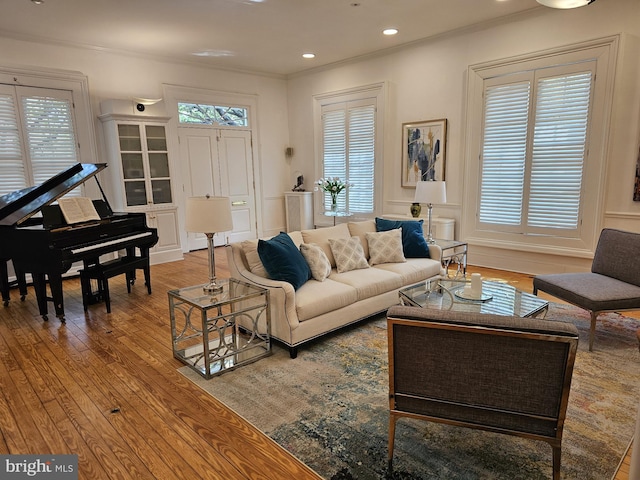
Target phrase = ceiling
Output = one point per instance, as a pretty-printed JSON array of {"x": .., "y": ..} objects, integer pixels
[{"x": 262, "y": 36}]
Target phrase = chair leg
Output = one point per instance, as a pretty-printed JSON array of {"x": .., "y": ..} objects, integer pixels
[
  {"x": 592, "y": 330},
  {"x": 105, "y": 292},
  {"x": 557, "y": 452},
  {"x": 392, "y": 437}
]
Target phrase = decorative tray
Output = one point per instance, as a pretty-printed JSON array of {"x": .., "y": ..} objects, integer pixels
[{"x": 484, "y": 297}]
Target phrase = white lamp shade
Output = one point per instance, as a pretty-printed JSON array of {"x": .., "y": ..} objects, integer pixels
[
  {"x": 565, "y": 3},
  {"x": 430, "y": 192},
  {"x": 208, "y": 214}
]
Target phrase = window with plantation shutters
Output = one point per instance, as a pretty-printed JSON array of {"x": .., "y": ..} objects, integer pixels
[
  {"x": 37, "y": 136},
  {"x": 349, "y": 152},
  {"x": 533, "y": 150}
]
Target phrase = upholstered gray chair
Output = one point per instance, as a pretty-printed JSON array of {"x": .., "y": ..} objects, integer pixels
[
  {"x": 613, "y": 285},
  {"x": 503, "y": 374}
]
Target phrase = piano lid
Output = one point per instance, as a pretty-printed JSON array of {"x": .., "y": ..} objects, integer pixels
[{"x": 18, "y": 206}]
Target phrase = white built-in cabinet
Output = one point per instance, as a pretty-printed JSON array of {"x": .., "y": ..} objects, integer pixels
[{"x": 140, "y": 168}]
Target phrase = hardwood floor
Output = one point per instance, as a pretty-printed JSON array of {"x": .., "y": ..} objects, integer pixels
[{"x": 106, "y": 387}]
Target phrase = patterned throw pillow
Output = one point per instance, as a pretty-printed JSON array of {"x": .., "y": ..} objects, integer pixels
[
  {"x": 317, "y": 260},
  {"x": 348, "y": 253},
  {"x": 385, "y": 247},
  {"x": 414, "y": 244}
]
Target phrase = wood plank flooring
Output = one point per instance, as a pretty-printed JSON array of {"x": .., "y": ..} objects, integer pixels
[{"x": 106, "y": 387}]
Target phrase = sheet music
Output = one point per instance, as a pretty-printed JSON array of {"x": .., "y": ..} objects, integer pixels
[{"x": 78, "y": 209}]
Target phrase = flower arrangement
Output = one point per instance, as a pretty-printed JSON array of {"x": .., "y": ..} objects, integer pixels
[{"x": 333, "y": 186}]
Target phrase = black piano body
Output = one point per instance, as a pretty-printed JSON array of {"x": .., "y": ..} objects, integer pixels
[{"x": 46, "y": 247}]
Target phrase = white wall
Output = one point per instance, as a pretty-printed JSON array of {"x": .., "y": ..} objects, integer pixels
[
  {"x": 425, "y": 81},
  {"x": 428, "y": 82},
  {"x": 114, "y": 76}
]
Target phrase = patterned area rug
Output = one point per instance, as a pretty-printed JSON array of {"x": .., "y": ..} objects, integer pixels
[{"x": 329, "y": 407}]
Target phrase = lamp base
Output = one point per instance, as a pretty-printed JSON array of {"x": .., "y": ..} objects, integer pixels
[{"x": 212, "y": 288}]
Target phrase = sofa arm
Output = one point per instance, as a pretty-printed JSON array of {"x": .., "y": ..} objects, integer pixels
[
  {"x": 282, "y": 296},
  {"x": 435, "y": 252}
]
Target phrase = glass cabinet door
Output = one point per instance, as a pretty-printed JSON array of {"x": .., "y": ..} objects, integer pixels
[
  {"x": 158, "y": 164},
  {"x": 145, "y": 164}
]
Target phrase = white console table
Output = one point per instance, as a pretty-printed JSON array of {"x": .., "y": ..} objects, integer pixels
[{"x": 442, "y": 228}]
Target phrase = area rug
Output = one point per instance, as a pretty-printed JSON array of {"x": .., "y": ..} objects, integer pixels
[{"x": 329, "y": 408}]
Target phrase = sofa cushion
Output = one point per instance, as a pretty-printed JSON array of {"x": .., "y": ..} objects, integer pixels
[
  {"x": 317, "y": 261},
  {"x": 359, "y": 229},
  {"x": 385, "y": 247},
  {"x": 250, "y": 249},
  {"x": 348, "y": 254},
  {"x": 413, "y": 242},
  {"x": 374, "y": 281},
  {"x": 321, "y": 236},
  {"x": 283, "y": 261},
  {"x": 414, "y": 270},
  {"x": 317, "y": 298}
]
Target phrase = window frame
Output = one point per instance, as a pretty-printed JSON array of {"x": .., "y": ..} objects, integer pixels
[
  {"x": 374, "y": 93},
  {"x": 603, "y": 53},
  {"x": 74, "y": 84}
]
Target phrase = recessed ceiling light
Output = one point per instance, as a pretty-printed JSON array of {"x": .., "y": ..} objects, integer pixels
[
  {"x": 309, "y": 55},
  {"x": 37, "y": 2},
  {"x": 390, "y": 31}
]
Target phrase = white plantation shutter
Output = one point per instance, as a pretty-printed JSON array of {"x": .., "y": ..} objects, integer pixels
[
  {"x": 348, "y": 140},
  {"x": 533, "y": 151},
  {"x": 503, "y": 153},
  {"x": 335, "y": 151},
  {"x": 37, "y": 136},
  {"x": 562, "y": 113},
  {"x": 12, "y": 167}
]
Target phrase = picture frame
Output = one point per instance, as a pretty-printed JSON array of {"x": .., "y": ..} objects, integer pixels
[{"x": 424, "y": 151}]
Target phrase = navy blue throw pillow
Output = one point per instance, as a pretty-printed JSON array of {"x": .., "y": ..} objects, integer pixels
[
  {"x": 283, "y": 261},
  {"x": 414, "y": 245}
]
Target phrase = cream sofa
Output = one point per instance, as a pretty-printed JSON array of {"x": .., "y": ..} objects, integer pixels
[{"x": 320, "y": 307}]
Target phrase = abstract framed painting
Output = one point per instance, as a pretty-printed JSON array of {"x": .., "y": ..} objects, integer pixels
[{"x": 424, "y": 148}]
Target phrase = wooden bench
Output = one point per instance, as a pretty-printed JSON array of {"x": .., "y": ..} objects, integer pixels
[{"x": 102, "y": 272}]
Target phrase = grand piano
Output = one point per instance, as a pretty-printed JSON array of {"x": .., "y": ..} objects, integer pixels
[{"x": 47, "y": 246}]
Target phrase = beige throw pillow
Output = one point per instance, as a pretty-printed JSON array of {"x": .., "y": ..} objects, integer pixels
[
  {"x": 385, "y": 247},
  {"x": 317, "y": 260},
  {"x": 250, "y": 248},
  {"x": 348, "y": 253}
]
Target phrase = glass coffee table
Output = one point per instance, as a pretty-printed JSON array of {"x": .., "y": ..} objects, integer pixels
[{"x": 500, "y": 298}]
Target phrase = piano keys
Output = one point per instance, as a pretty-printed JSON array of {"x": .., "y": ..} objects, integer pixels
[{"x": 47, "y": 247}]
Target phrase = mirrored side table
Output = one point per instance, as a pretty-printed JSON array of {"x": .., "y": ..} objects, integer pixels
[
  {"x": 216, "y": 333},
  {"x": 454, "y": 251}
]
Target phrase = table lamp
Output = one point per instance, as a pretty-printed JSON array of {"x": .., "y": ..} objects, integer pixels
[
  {"x": 430, "y": 192},
  {"x": 209, "y": 215}
]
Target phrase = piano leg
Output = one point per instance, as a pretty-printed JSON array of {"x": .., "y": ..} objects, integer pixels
[
  {"x": 55, "y": 284},
  {"x": 22, "y": 284},
  {"x": 4, "y": 282},
  {"x": 40, "y": 286}
]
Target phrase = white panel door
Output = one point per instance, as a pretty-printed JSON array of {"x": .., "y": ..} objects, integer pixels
[
  {"x": 236, "y": 164},
  {"x": 220, "y": 163}
]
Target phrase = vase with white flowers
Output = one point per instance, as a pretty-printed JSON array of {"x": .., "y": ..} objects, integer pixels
[{"x": 333, "y": 186}]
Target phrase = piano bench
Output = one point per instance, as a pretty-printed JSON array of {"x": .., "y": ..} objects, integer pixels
[{"x": 102, "y": 272}]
